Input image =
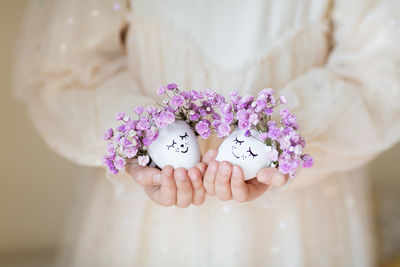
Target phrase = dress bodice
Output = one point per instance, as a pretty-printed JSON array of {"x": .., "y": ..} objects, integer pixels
[{"x": 252, "y": 46}]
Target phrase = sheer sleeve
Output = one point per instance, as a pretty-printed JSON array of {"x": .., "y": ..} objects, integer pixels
[
  {"x": 71, "y": 72},
  {"x": 349, "y": 110}
]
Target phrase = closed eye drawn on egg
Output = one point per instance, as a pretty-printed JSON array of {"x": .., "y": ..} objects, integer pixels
[
  {"x": 171, "y": 146},
  {"x": 251, "y": 153},
  {"x": 184, "y": 136},
  {"x": 237, "y": 141}
]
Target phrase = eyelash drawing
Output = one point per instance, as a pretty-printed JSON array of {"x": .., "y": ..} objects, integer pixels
[
  {"x": 251, "y": 153},
  {"x": 238, "y": 141},
  {"x": 173, "y": 143},
  {"x": 184, "y": 136}
]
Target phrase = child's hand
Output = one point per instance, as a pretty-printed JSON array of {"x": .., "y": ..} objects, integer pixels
[
  {"x": 227, "y": 181},
  {"x": 171, "y": 187}
]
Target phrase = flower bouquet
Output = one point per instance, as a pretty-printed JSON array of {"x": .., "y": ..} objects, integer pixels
[
  {"x": 163, "y": 135},
  {"x": 166, "y": 135},
  {"x": 257, "y": 140}
]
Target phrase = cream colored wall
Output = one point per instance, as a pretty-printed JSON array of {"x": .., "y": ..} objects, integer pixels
[{"x": 37, "y": 185}]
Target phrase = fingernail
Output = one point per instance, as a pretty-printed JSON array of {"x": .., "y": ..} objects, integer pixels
[
  {"x": 235, "y": 172},
  {"x": 265, "y": 178},
  {"x": 157, "y": 179},
  {"x": 224, "y": 169}
]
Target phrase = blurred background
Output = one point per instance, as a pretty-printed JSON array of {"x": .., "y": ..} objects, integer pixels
[{"x": 37, "y": 186}]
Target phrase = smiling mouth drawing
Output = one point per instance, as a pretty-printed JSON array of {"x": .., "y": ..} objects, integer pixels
[
  {"x": 233, "y": 153},
  {"x": 187, "y": 149}
]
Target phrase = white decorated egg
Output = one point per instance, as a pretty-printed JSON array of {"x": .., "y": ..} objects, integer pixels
[
  {"x": 176, "y": 145},
  {"x": 250, "y": 153}
]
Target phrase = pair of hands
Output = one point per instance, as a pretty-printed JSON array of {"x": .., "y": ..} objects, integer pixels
[{"x": 183, "y": 187}]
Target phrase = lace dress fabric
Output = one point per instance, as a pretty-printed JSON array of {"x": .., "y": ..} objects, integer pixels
[{"x": 336, "y": 62}]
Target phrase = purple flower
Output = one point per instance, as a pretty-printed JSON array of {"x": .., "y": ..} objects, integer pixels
[
  {"x": 253, "y": 119},
  {"x": 151, "y": 110},
  {"x": 161, "y": 90},
  {"x": 108, "y": 162},
  {"x": 245, "y": 101},
  {"x": 146, "y": 141},
  {"x": 263, "y": 136},
  {"x": 125, "y": 142},
  {"x": 283, "y": 100},
  {"x": 228, "y": 118},
  {"x": 244, "y": 125},
  {"x": 151, "y": 134},
  {"x": 138, "y": 110},
  {"x": 164, "y": 118},
  {"x": 195, "y": 95},
  {"x": 172, "y": 86},
  {"x": 143, "y": 160},
  {"x": 287, "y": 164},
  {"x": 109, "y": 134},
  {"x": 223, "y": 130},
  {"x": 272, "y": 154},
  {"x": 143, "y": 125},
  {"x": 194, "y": 116},
  {"x": 177, "y": 100},
  {"x": 274, "y": 132},
  {"x": 130, "y": 152},
  {"x": 111, "y": 150},
  {"x": 284, "y": 142},
  {"x": 203, "y": 128},
  {"x": 129, "y": 126},
  {"x": 113, "y": 171},
  {"x": 307, "y": 161},
  {"x": 267, "y": 92},
  {"x": 269, "y": 111},
  {"x": 247, "y": 133},
  {"x": 121, "y": 128},
  {"x": 235, "y": 97},
  {"x": 120, "y": 116},
  {"x": 242, "y": 115},
  {"x": 119, "y": 163}
]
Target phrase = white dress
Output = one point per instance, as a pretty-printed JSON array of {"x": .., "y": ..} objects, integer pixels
[{"x": 337, "y": 62}]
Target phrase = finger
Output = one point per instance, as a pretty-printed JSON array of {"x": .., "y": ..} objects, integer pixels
[
  {"x": 240, "y": 191},
  {"x": 222, "y": 181},
  {"x": 271, "y": 176},
  {"x": 209, "y": 177},
  {"x": 184, "y": 188},
  {"x": 168, "y": 187},
  {"x": 202, "y": 168},
  {"x": 255, "y": 188},
  {"x": 211, "y": 154},
  {"x": 144, "y": 175},
  {"x": 199, "y": 194}
]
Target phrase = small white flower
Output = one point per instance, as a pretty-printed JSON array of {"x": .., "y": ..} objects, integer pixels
[
  {"x": 126, "y": 118},
  {"x": 298, "y": 150},
  {"x": 143, "y": 160}
]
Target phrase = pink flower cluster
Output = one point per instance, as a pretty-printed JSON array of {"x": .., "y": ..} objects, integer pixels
[
  {"x": 254, "y": 114},
  {"x": 133, "y": 136}
]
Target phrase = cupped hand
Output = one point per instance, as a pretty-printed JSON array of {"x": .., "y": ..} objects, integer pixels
[
  {"x": 226, "y": 181},
  {"x": 168, "y": 187}
]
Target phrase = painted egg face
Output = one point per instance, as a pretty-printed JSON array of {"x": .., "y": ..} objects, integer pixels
[
  {"x": 250, "y": 153},
  {"x": 176, "y": 145}
]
